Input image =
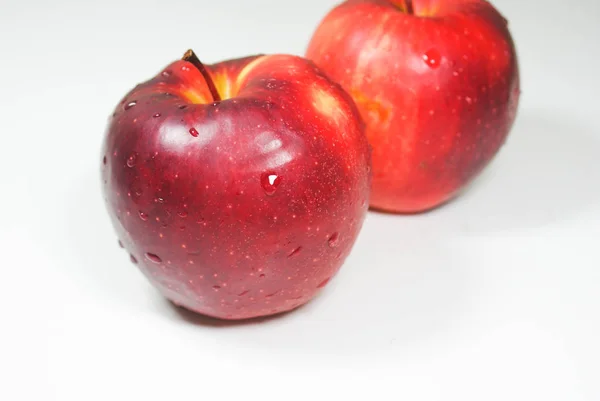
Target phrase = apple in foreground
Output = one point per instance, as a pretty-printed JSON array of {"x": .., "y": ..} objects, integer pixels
[
  {"x": 238, "y": 188},
  {"x": 437, "y": 83}
]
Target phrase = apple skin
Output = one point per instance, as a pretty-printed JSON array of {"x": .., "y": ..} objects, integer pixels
[
  {"x": 244, "y": 207},
  {"x": 438, "y": 90}
]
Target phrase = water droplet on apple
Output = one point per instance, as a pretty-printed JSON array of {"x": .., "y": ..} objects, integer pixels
[
  {"x": 324, "y": 282},
  {"x": 295, "y": 252},
  {"x": 432, "y": 58},
  {"x": 156, "y": 115},
  {"x": 133, "y": 259},
  {"x": 183, "y": 214},
  {"x": 241, "y": 294},
  {"x": 153, "y": 258},
  {"x": 130, "y": 105},
  {"x": 143, "y": 216},
  {"x": 121, "y": 244},
  {"x": 194, "y": 132},
  {"x": 183, "y": 106},
  {"x": 334, "y": 240},
  {"x": 216, "y": 287},
  {"x": 136, "y": 191},
  {"x": 166, "y": 73},
  {"x": 131, "y": 160},
  {"x": 262, "y": 275},
  {"x": 270, "y": 182}
]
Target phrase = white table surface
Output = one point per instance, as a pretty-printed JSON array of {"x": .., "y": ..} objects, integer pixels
[{"x": 494, "y": 297}]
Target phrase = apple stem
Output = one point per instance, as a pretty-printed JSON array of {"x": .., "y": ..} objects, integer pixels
[
  {"x": 409, "y": 7},
  {"x": 191, "y": 57}
]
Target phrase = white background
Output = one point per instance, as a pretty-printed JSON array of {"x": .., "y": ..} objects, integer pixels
[{"x": 494, "y": 297}]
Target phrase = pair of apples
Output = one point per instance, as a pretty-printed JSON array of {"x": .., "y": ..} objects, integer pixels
[{"x": 240, "y": 188}]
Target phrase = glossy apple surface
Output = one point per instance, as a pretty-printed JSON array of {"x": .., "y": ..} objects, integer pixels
[
  {"x": 437, "y": 83},
  {"x": 242, "y": 207}
]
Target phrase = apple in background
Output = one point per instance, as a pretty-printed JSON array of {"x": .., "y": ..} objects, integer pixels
[
  {"x": 238, "y": 188},
  {"x": 437, "y": 83}
]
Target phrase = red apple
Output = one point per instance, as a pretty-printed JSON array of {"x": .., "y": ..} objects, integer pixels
[
  {"x": 437, "y": 83},
  {"x": 238, "y": 188}
]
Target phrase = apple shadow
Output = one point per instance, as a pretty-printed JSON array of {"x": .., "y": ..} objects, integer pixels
[
  {"x": 209, "y": 321},
  {"x": 377, "y": 300},
  {"x": 547, "y": 172}
]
